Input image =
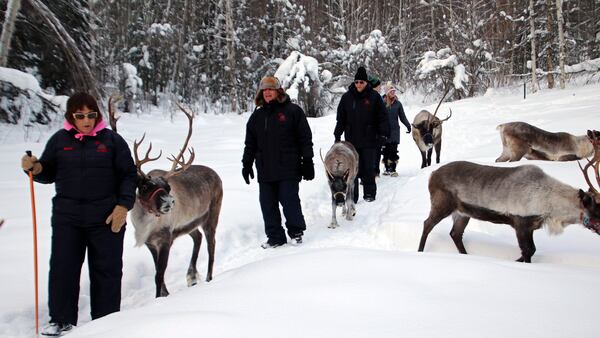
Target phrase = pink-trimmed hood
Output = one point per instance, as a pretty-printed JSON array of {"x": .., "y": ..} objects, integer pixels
[{"x": 101, "y": 125}]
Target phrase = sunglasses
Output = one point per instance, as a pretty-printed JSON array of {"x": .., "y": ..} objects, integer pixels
[
  {"x": 360, "y": 82},
  {"x": 80, "y": 116}
]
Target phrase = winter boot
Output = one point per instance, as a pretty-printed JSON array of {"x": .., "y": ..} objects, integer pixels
[
  {"x": 56, "y": 329},
  {"x": 271, "y": 244},
  {"x": 297, "y": 239},
  {"x": 392, "y": 167}
]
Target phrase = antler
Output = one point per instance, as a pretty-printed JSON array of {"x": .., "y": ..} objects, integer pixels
[
  {"x": 111, "y": 112},
  {"x": 139, "y": 163},
  {"x": 179, "y": 160},
  {"x": 446, "y": 119},
  {"x": 594, "y": 162},
  {"x": 443, "y": 97}
]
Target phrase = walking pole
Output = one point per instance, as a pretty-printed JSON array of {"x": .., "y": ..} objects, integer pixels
[{"x": 35, "y": 255}]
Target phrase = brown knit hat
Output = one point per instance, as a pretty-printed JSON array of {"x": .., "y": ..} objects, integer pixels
[
  {"x": 269, "y": 82},
  {"x": 79, "y": 100}
]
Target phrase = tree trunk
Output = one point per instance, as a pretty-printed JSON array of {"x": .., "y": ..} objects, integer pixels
[
  {"x": 561, "y": 42},
  {"x": 534, "y": 80},
  {"x": 12, "y": 9},
  {"x": 231, "y": 57},
  {"x": 77, "y": 64},
  {"x": 550, "y": 43}
]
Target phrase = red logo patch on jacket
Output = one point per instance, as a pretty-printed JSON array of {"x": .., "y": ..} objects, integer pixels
[
  {"x": 101, "y": 148},
  {"x": 281, "y": 117},
  {"x": 68, "y": 148},
  {"x": 366, "y": 102}
]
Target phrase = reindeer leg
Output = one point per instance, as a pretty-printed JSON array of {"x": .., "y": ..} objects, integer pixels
[
  {"x": 525, "y": 238},
  {"x": 333, "y": 223},
  {"x": 161, "y": 267},
  {"x": 442, "y": 205},
  {"x": 458, "y": 228},
  {"x": 192, "y": 274},
  {"x": 423, "y": 160},
  {"x": 429, "y": 152},
  {"x": 438, "y": 149}
]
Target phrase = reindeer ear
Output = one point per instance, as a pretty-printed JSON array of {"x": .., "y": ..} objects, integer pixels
[{"x": 585, "y": 198}]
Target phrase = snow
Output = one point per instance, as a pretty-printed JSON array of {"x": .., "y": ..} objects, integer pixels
[
  {"x": 588, "y": 65},
  {"x": 296, "y": 71},
  {"x": 363, "y": 279}
]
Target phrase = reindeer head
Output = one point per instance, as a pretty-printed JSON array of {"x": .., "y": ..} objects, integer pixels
[
  {"x": 154, "y": 192},
  {"x": 590, "y": 200},
  {"x": 338, "y": 186}
]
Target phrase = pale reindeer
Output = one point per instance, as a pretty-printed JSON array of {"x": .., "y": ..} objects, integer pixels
[
  {"x": 174, "y": 203},
  {"x": 523, "y": 197},
  {"x": 427, "y": 133},
  {"x": 520, "y": 139},
  {"x": 341, "y": 167}
]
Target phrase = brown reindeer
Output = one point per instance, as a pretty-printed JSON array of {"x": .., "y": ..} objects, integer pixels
[
  {"x": 427, "y": 133},
  {"x": 520, "y": 139},
  {"x": 523, "y": 197},
  {"x": 341, "y": 167},
  {"x": 173, "y": 203}
]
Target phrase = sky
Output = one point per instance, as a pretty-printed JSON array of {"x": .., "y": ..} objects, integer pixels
[{"x": 362, "y": 279}]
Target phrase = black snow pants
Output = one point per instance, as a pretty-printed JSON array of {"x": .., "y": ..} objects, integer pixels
[
  {"x": 105, "y": 262},
  {"x": 366, "y": 172},
  {"x": 271, "y": 195}
]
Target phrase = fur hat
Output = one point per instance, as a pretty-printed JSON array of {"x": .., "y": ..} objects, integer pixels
[
  {"x": 269, "y": 82},
  {"x": 361, "y": 74},
  {"x": 374, "y": 81}
]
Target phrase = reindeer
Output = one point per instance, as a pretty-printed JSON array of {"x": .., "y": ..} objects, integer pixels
[
  {"x": 523, "y": 197},
  {"x": 520, "y": 139},
  {"x": 427, "y": 133},
  {"x": 341, "y": 166},
  {"x": 173, "y": 203}
]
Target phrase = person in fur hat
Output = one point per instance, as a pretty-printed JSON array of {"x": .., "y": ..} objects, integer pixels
[
  {"x": 361, "y": 117},
  {"x": 279, "y": 141},
  {"x": 395, "y": 111},
  {"x": 95, "y": 180}
]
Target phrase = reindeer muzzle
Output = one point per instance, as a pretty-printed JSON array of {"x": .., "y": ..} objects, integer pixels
[
  {"x": 167, "y": 202},
  {"x": 428, "y": 140},
  {"x": 592, "y": 224},
  {"x": 340, "y": 198}
]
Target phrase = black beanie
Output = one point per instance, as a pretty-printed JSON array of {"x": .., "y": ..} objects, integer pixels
[{"x": 361, "y": 74}]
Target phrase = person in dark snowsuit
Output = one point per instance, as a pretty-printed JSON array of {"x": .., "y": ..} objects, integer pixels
[
  {"x": 95, "y": 180},
  {"x": 279, "y": 139},
  {"x": 361, "y": 117},
  {"x": 395, "y": 111},
  {"x": 376, "y": 85}
]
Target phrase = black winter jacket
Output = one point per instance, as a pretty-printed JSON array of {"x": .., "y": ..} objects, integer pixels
[
  {"x": 362, "y": 117},
  {"x": 279, "y": 138},
  {"x": 91, "y": 176}
]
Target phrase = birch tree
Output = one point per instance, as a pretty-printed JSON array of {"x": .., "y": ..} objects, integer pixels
[
  {"x": 534, "y": 80},
  {"x": 12, "y": 9},
  {"x": 561, "y": 42}
]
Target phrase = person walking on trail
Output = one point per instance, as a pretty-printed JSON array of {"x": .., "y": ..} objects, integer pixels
[
  {"x": 361, "y": 117},
  {"x": 376, "y": 85},
  {"x": 279, "y": 141},
  {"x": 395, "y": 112},
  {"x": 95, "y": 180}
]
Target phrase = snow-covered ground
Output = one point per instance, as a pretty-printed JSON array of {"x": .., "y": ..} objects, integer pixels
[{"x": 363, "y": 279}]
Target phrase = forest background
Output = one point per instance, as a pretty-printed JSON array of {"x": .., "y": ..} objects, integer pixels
[{"x": 211, "y": 54}]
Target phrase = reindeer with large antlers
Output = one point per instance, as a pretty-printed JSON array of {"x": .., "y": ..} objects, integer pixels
[
  {"x": 427, "y": 133},
  {"x": 173, "y": 203},
  {"x": 524, "y": 197}
]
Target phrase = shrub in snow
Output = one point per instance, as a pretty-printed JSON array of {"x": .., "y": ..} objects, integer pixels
[
  {"x": 22, "y": 101},
  {"x": 132, "y": 85},
  {"x": 299, "y": 76},
  {"x": 442, "y": 68}
]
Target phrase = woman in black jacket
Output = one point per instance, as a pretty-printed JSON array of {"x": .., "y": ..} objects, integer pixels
[
  {"x": 279, "y": 138},
  {"x": 94, "y": 176}
]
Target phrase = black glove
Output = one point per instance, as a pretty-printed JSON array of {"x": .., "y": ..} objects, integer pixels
[
  {"x": 247, "y": 173},
  {"x": 408, "y": 131},
  {"x": 308, "y": 170},
  {"x": 382, "y": 140}
]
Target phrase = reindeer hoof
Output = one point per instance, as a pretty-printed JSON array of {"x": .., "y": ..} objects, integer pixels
[
  {"x": 208, "y": 278},
  {"x": 332, "y": 226},
  {"x": 192, "y": 279}
]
